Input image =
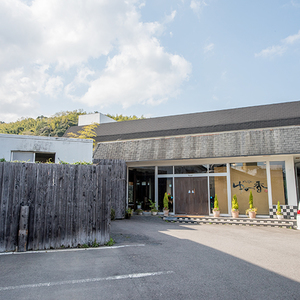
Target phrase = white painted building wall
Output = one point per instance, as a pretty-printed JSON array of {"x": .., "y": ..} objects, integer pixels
[
  {"x": 66, "y": 149},
  {"x": 98, "y": 118}
]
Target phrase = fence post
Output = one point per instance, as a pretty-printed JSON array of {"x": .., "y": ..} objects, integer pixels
[{"x": 23, "y": 229}]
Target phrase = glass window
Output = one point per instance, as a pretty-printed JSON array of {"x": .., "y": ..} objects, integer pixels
[
  {"x": 45, "y": 157},
  {"x": 165, "y": 185},
  {"x": 165, "y": 170},
  {"x": 278, "y": 182},
  {"x": 218, "y": 168},
  {"x": 23, "y": 156},
  {"x": 218, "y": 186},
  {"x": 141, "y": 187},
  {"x": 250, "y": 176},
  {"x": 190, "y": 169}
]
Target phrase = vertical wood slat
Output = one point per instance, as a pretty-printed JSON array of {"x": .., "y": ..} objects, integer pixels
[{"x": 68, "y": 204}]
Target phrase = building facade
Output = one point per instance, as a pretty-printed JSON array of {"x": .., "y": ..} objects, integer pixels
[
  {"x": 195, "y": 157},
  {"x": 42, "y": 149}
]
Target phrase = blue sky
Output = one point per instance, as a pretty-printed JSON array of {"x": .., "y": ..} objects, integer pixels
[{"x": 150, "y": 58}]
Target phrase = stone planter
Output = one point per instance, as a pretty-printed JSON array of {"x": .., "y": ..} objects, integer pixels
[
  {"x": 166, "y": 212},
  {"x": 154, "y": 213},
  {"x": 279, "y": 217},
  {"x": 216, "y": 213},
  {"x": 235, "y": 213},
  {"x": 252, "y": 214}
]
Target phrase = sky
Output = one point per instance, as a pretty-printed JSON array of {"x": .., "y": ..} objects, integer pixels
[{"x": 146, "y": 57}]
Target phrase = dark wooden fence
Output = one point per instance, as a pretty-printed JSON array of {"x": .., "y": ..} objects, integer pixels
[
  {"x": 68, "y": 204},
  {"x": 118, "y": 184}
]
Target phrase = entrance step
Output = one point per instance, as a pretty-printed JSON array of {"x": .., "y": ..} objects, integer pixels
[{"x": 287, "y": 223}]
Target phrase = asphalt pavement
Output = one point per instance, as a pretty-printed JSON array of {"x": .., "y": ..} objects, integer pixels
[{"x": 153, "y": 259}]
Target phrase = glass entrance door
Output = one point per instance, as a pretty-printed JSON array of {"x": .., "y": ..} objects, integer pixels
[{"x": 141, "y": 187}]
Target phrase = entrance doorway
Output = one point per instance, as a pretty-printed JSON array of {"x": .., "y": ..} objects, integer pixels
[
  {"x": 141, "y": 187},
  {"x": 191, "y": 196},
  {"x": 297, "y": 172}
]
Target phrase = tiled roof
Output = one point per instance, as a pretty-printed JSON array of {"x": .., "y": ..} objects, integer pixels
[{"x": 254, "y": 117}]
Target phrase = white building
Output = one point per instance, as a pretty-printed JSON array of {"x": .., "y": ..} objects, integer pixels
[{"x": 41, "y": 149}]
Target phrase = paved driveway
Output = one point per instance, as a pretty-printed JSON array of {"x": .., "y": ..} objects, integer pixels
[{"x": 153, "y": 259}]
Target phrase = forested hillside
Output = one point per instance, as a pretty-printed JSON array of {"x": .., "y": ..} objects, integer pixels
[{"x": 51, "y": 126}]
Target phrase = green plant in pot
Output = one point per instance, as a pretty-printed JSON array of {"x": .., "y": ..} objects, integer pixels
[
  {"x": 278, "y": 212},
  {"x": 128, "y": 213},
  {"x": 166, "y": 204},
  {"x": 139, "y": 211},
  {"x": 251, "y": 211},
  {"x": 216, "y": 209},
  {"x": 234, "y": 207},
  {"x": 154, "y": 210}
]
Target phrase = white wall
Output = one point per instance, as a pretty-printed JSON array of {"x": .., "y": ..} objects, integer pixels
[
  {"x": 94, "y": 118},
  {"x": 65, "y": 149}
]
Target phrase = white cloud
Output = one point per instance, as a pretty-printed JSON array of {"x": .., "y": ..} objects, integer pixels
[
  {"x": 19, "y": 91},
  {"x": 208, "y": 47},
  {"x": 54, "y": 86},
  {"x": 295, "y": 3},
  {"x": 292, "y": 38},
  {"x": 43, "y": 43},
  {"x": 271, "y": 51},
  {"x": 142, "y": 73},
  {"x": 197, "y": 6},
  {"x": 171, "y": 17},
  {"x": 279, "y": 50}
]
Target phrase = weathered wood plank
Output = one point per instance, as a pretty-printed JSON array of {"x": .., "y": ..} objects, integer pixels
[
  {"x": 68, "y": 205},
  {"x": 23, "y": 228}
]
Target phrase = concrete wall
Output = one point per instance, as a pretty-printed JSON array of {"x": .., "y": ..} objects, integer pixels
[
  {"x": 94, "y": 118},
  {"x": 271, "y": 141},
  {"x": 65, "y": 149}
]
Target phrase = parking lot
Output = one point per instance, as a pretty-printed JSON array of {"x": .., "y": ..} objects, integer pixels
[{"x": 153, "y": 259}]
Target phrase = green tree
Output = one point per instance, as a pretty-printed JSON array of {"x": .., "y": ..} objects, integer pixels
[
  {"x": 121, "y": 118},
  {"x": 88, "y": 132}
]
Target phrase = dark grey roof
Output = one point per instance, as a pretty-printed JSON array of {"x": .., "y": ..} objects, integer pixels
[{"x": 254, "y": 117}]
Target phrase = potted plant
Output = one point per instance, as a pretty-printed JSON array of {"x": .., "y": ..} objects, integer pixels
[
  {"x": 128, "y": 213},
  {"x": 216, "y": 209},
  {"x": 139, "y": 211},
  {"x": 235, "y": 207},
  {"x": 278, "y": 212},
  {"x": 139, "y": 205},
  {"x": 166, "y": 204},
  {"x": 154, "y": 210},
  {"x": 251, "y": 210}
]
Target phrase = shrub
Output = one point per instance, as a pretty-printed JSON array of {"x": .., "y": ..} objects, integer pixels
[
  {"x": 250, "y": 200},
  {"x": 128, "y": 213},
  {"x": 112, "y": 214},
  {"x": 166, "y": 201},
  {"x": 278, "y": 212},
  {"x": 235, "y": 205},
  {"x": 216, "y": 204},
  {"x": 111, "y": 242}
]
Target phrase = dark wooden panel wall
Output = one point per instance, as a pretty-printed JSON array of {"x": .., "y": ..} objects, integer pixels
[
  {"x": 118, "y": 184},
  {"x": 68, "y": 204}
]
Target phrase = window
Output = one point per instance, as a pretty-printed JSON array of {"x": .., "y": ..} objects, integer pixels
[
  {"x": 26, "y": 156},
  {"x": 278, "y": 182},
  {"x": 190, "y": 169},
  {"x": 246, "y": 177}
]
